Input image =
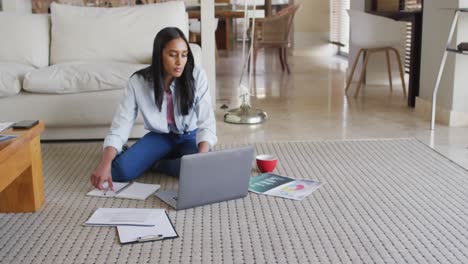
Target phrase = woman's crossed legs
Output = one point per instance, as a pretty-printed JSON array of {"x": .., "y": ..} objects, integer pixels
[{"x": 153, "y": 147}]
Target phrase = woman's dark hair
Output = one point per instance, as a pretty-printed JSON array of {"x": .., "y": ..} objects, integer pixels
[{"x": 155, "y": 72}]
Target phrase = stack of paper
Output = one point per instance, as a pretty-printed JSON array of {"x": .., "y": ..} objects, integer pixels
[
  {"x": 135, "y": 224},
  {"x": 128, "y": 190}
]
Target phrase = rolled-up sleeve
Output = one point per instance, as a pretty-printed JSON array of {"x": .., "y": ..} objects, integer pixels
[
  {"x": 123, "y": 120},
  {"x": 206, "y": 122}
]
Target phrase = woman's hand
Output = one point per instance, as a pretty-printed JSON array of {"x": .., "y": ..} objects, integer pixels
[
  {"x": 100, "y": 175},
  {"x": 103, "y": 172},
  {"x": 203, "y": 147}
]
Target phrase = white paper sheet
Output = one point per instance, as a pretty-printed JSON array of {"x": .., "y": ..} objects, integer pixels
[
  {"x": 139, "y": 191},
  {"x": 103, "y": 193},
  {"x": 125, "y": 216},
  {"x": 133, "y": 190}
]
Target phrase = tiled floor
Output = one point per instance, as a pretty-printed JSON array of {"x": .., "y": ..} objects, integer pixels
[{"x": 310, "y": 104}]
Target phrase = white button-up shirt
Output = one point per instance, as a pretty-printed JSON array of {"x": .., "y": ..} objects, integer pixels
[{"x": 139, "y": 95}]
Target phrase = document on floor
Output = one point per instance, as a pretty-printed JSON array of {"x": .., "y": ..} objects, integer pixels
[
  {"x": 164, "y": 229},
  {"x": 128, "y": 190},
  {"x": 5, "y": 125},
  {"x": 282, "y": 186},
  {"x": 125, "y": 216}
]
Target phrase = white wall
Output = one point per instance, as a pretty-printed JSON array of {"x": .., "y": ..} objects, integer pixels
[
  {"x": 460, "y": 91},
  {"x": 312, "y": 29},
  {"x": 452, "y": 108},
  {"x": 208, "y": 45},
  {"x": 436, "y": 26},
  {"x": 360, "y": 6},
  {"x": 314, "y": 16}
]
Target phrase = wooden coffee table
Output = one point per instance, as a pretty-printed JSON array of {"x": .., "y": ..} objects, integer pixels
[{"x": 21, "y": 181}]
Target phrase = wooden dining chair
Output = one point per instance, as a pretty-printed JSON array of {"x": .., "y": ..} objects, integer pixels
[{"x": 274, "y": 32}]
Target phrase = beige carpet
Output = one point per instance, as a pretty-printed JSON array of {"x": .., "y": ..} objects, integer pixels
[{"x": 383, "y": 201}]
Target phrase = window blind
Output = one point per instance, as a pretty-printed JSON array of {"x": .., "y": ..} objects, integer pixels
[
  {"x": 339, "y": 28},
  {"x": 409, "y": 5},
  {"x": 408, "y": 42}
]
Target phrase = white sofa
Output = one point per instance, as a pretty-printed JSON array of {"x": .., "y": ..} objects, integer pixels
[{"x": 69, "y": 69}]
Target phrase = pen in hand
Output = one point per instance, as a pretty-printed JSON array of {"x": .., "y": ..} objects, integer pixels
[{"x": 107, "y": 189}]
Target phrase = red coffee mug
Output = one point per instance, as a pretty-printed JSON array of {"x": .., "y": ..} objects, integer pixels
[{"x": 266, "y": 163}]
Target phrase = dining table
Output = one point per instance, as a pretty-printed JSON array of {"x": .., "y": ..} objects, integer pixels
[
  {"x": 223, "y": 33},
  {"x": 227, "y": 11}
]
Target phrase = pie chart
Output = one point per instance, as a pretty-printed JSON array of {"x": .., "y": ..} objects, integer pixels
[{"x": 293, "y": 187}]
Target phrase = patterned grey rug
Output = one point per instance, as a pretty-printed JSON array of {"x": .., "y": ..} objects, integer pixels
[{"x": 383, "y": 201}]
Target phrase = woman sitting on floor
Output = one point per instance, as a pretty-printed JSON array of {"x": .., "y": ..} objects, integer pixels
[{"x": 174, "y": 99}]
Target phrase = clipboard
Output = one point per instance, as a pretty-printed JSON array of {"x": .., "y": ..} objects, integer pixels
[{"x": 163, "y": 230}]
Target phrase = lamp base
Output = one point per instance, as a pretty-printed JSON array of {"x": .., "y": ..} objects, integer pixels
[{"x": 245, "y": 115}]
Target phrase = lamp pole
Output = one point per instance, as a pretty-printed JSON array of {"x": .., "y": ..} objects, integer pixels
[{"x": 245, "y": 114}]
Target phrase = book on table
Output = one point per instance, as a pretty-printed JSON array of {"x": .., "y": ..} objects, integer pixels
[{"x": 128, "y": 190}]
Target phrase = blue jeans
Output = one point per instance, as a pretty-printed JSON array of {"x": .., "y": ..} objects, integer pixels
[{"x": 153, "y": 147}]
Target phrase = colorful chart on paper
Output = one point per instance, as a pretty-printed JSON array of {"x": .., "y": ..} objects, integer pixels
[{"x": 282, "y": 186}]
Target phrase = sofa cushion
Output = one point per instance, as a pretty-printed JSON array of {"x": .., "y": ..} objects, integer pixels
[
  {"x": 24, "y": 38},
  {"x": 77, "y": 77},
  {"x": 123, "y": 34},
  {"x": 65, "y": 110},
  {"x": 11, "y": 77}
]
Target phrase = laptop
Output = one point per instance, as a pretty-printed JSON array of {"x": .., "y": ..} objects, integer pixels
[{"x": 212, "y": 177}]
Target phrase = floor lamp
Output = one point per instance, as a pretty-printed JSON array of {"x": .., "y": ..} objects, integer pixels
[{"x": 245, "y": 114}]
